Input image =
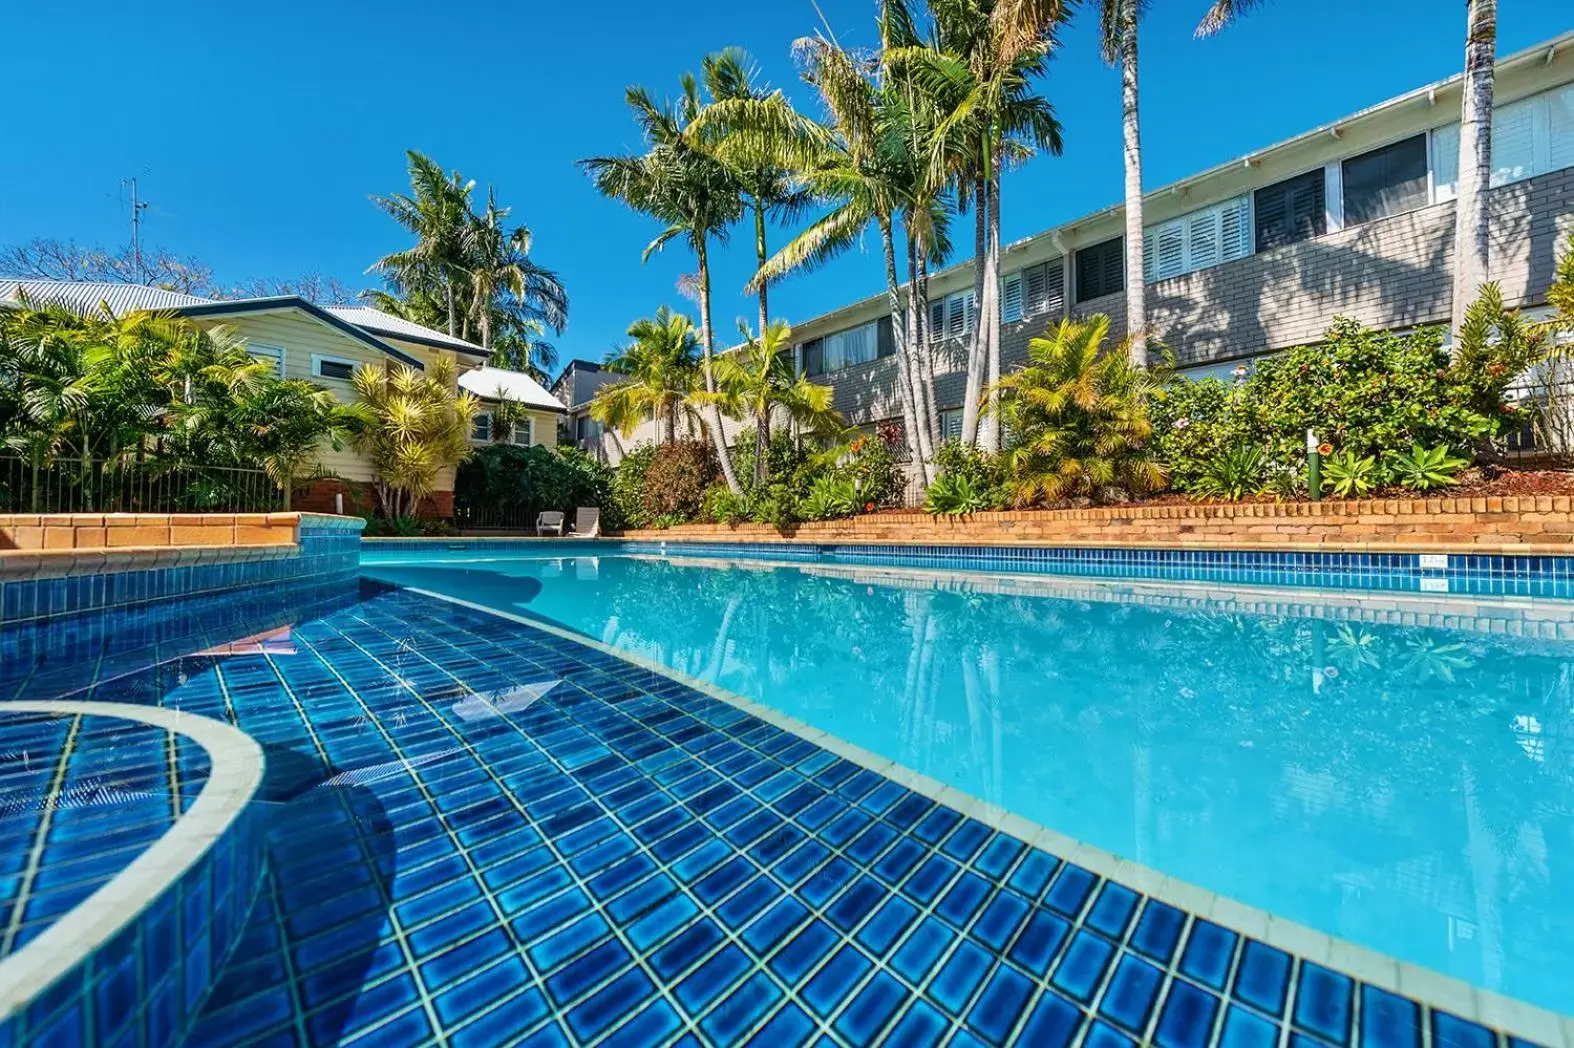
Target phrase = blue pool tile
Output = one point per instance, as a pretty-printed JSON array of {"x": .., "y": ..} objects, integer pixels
[
  {"x": 923, "y": 948},
  {"x": 1186, "y": 1019},
  {"x": 1039, "y": 942},
  {"x": 1263, "y": 978},
  {"x": 1071, "y": 889},
  {"x": 1158, "y": 931},
  {"x": 1449, "y": 1031},
  {"x": 743, "y": 1009},
  {"x": 960, "y": 979},
  {"x": 712, "y": 979},
  {"x": 995, "y": 1014},
  {"x": 1208, "y": 951},
  {"x": 1112, "y": 910},
  {"x": 789, "y": 1027},
  {"x": 1246, "y": 1029},
  {"x": 1132, "y": 989},
  {"x": 1323, "y": 1002},
  {"x": 1053, "y": 1023},
  {"x": 871, "y": 1009},
  {"x": 804, "y": 952},
  {"x": 920, "y": 1024},
  {"x": 1082, "y": 967},
  {"x": 830, "y": 985},
  {"x": 1103, "y": 1035}
]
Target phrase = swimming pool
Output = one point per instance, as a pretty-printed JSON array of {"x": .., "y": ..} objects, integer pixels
[
  {"x": 1394, "y": 774},
  {"x": 588, "y": 796}
]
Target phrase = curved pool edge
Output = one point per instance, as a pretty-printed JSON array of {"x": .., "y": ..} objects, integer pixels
[
  {"x": 68, "y": 982},
  {"x": 1435, "y": 991}
]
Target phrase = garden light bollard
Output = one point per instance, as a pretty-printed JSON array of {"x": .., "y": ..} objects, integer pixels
[{"x": 1314, "y": 467}]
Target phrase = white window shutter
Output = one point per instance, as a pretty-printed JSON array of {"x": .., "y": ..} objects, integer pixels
[
  {"x": 1054, "y": 298},
  {"x": 1514, "y": 142},
  {"x": 1011, "y": 298},
  {"x": 1149, "y": 263},
  {"x": 1445, "y": 163},
  {"x": 1170, "y": 251},
  {"x": 937, "y": 320},
  {"x": 956, "y": 316},
  {"x": 969, "y": 311},
  {"x": 1235, "y": 229},
  {"x": 1560, "y": 128},
  {"x": 1202, "y": 248}
]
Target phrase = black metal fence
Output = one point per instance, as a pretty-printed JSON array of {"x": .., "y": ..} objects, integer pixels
[
  {"x": 478, "y": 516},
  {"x": 127, "y": 486}
]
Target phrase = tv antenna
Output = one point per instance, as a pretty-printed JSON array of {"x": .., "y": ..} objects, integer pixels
[{"x": 137, "y": 207}]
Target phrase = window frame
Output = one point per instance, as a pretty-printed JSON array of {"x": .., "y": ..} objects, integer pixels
[
  {"x": 1117, "y": 244},
  {"x": 1240, "y": 203},
  {"x": 529, "y": 423},
  {"x": 1344, "y": 179},
  {"x": 1325, "y": 219},
  {"x": 259, "y": 350},
  {"x": 476, "y": 425},
  {"x": 319, "y": 359}
]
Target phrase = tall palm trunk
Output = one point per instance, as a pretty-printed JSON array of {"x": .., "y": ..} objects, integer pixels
[
  {"x": 977, "y": 349},
  {"x": 1471, "y": 227},
  {"x": 760, "y": 253},
  {"x": 448, "y": 292},
  {"x": 1136, "y": 287},
  {"x": 925, "y": 342},
  {"x": 917, "y": 441},
  {"x": 712, "y": 412},
  {"x": 918, "y": 333},
  {"x": 762, "y": 440},
  {"x": 989, "y": 312}
]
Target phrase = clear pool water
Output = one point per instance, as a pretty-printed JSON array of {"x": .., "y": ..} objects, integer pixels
[{"x": 1394, "y": 773}]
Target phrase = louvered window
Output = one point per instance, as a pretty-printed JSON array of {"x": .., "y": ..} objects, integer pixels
[
  {"x": 1291, "y": 211},
  {"x": 1100, "y": 270},
  {"x": 951, "y": 317},
  {"x": 1044, "y": 288},
  {"x": 1386, "y": 181},
  {"x": 951, "y": 424},
  {"x": 1530, "y": 137},
  {"x": 1011, "y": 298}
]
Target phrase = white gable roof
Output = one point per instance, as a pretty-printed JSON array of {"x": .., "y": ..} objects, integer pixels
[
  {"x": 490, "y": 383},
  {"x": 85, "y": 296}
]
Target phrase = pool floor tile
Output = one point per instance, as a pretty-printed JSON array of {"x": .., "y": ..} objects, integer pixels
[{"x": 625, "y": 860}]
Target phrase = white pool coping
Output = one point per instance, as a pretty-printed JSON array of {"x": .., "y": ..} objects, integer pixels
[
  {"x": 1424, "y": 985},
  {"x": 236, "y": 765}
]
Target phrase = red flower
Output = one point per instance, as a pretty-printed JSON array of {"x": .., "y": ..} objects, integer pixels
[{"x": 868, "y": 507}]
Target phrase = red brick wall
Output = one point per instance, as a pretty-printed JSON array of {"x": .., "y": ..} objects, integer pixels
[
  {"x": 1540, "y": 524},
  {"x": 318, "y": 497}
]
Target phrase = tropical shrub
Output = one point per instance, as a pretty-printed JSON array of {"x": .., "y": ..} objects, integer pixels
[
  {"x": 958, "y": 462},
  {"x": 1196, "y": 422},
  {"x": 1079, "y": 415},
  {"x": 527, "y": 480},
  {"x": 722, "y": 506},
  {"x": 1426, "y": 468},
  {"x": 677, "y": 478},
  {"x": 1232, "y": 475},
  {"x": 830, "y": 498},
  {"x": 1350, "y": 475},
  {"x": 870, "y": 465},
  {"x": 417, "y": 425},
  {"x": 628, "y": 486},
  {"x": 957, "y": 494}
]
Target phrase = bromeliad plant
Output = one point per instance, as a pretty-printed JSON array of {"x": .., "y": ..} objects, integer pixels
[
  {"x": 1426, "y": 468},
  {"x": 1350, "y": 475},
  {"x": 1237, "y": 473},
  {"x": 417, "y": 424}
]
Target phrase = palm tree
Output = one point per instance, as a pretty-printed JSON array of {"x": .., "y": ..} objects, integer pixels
[
  {"x": 1080, "y": 416},
  {"x": 437, "y": 211},
  {"x": 693, "y": 193},
  {"x": 415, "y": 427},
  {"x": 757, "y": 380},
  {"x": 662, "y": 365},
  {"x": 981, "y": 72},
  {"x": 506, "y": 289},
  {"x": 768, "y": 189},
  {"x": 854, "y": 163}
]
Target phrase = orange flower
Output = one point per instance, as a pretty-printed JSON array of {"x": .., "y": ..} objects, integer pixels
[
  {"x": 868, "y": 507},
  {"x": 1325, "y": 448}
]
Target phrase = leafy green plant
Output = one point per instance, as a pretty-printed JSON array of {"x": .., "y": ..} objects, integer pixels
[
  {"x": 722, "y": 506},
  {"x": 416, "y": 427},
  {"x": 956, "y": 494},
  {"x": 829, "y": 498},
  {"x": 505, "y": 481},
  {"x": 628, "y": 486},
  {"x": 1079, "y": 415},
  {"x": 1232, "y": 475},
  {"x": 1426, "y": 468},
  {"x": 1350, "y": 475}
]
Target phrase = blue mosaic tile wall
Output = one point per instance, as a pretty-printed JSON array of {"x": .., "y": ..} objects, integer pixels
[
  {"x": 1484, "y": 575},
  {"x": 329, "y": 546},
  {"x": 146, "y": 984},
  {"x": 479, "y": 832}
]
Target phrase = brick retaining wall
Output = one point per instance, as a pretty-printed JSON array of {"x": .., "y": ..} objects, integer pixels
[{"x": 1541, "y": 524}]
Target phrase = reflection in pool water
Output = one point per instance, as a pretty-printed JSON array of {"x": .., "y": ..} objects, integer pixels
[{"x": 1403, "y": 786}]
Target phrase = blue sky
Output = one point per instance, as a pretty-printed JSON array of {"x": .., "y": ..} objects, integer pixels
[{"x": 258, "y": 133}]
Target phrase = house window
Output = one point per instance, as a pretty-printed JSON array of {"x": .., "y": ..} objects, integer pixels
[
  {"x": 268, "y": 354},
  {"x": 1386, "y": 181},
  {"x": 1033, "y": 291},
  {"x": 1198, "y": 240},
  {"x": 587, "y": 428},
  {"x": 951, "y": 316},
  {"x": 524, "y": 432},
  {"x": 951, "y": 424},
  {"x": 1530, "y": 137},
  {"x": 1291, "y": 211},
  {"x": 1100, "y": 270},
  {"x": 844, "y": 349},
  {"x": 481, "y": 428},
  {"x": 336, "y": 368}
]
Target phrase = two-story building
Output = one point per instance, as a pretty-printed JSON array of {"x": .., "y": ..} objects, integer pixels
[{"x": 1355, "y": 218}]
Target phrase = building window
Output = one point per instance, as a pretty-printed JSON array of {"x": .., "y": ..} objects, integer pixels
[
  {"x": 524, "y": 432},
  {"x": 1291, "y": 211},
  {"x": 335, "y": 368},
  {"x": 587, "y": 429},
  {"x": 951, "y": 316},
  {"x": 1386, "y": 181},
  {"x": 844, "y": 349},
  {"x": 1530, "y": 137},
  {"x": 951, "y": 424},
  {"x": 268, "y": 354},
  {"x": 1198, "y": 240},
  {"x": 481, "y": 428},
  {"x": 1034, "y": 291},
  {"x": 1100, "y": 270}
]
